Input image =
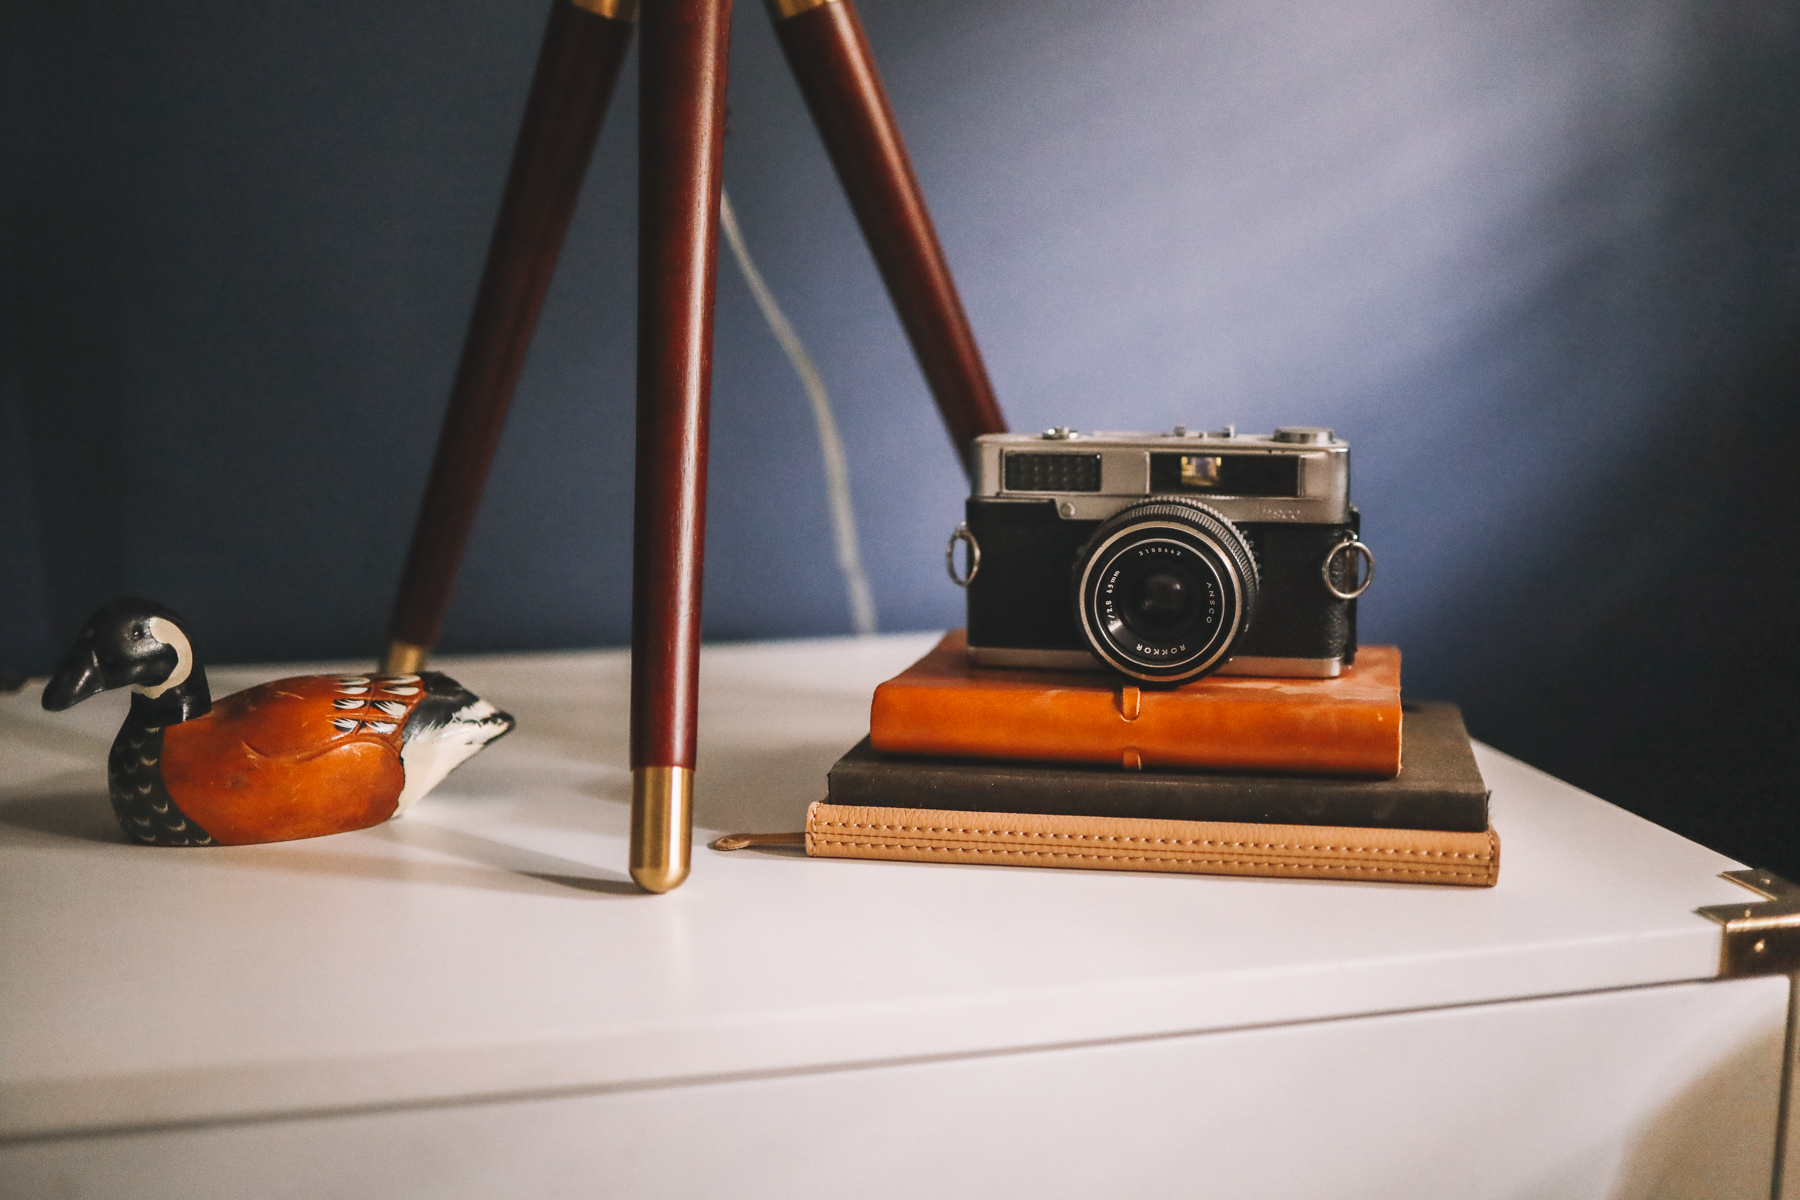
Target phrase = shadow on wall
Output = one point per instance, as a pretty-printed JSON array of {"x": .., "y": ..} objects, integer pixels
[{"x": 1655, "y": 660}]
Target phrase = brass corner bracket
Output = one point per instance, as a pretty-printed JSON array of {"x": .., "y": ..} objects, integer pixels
[{"x": 1760, "y": 938}]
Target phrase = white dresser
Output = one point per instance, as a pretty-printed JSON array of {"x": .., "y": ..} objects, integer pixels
[{"x": 473, "y": 1001}]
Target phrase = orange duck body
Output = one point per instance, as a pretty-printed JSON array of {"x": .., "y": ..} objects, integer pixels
[{"x": 287, "y": 760}]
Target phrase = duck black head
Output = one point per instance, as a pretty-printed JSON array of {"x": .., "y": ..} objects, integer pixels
[{"x": 138, "y": 644}]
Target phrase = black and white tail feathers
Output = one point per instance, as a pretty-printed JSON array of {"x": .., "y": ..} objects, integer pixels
[{"x": 444, "y": 731}]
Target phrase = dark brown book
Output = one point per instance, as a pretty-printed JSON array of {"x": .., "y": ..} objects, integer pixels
[{"x": 1439, "y": 786}]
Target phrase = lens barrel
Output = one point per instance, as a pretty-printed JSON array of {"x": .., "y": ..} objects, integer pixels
[{"x": 1164, "y": 589}]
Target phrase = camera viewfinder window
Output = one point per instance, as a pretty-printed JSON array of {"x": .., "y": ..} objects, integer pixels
[
  {"x": 1052, "y": 472},
  {"x": 1226, "y": 474}
]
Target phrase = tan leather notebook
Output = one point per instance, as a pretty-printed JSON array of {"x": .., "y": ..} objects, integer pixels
[
  {"x": 1119, "y": 844},
  {"x": 943, "y": 705}
]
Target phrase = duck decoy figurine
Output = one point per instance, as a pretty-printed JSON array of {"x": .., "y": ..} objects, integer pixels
[{"x": 294, "y": 758}]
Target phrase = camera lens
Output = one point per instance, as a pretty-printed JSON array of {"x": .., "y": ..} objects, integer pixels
[
  {"x": 1162, "y": 603},
  {"x": 1164, "y": 589}
]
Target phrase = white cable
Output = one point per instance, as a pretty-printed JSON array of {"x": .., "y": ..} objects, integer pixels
[{"x": 837, "y": 469}]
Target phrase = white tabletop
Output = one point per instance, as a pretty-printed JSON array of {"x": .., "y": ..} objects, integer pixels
[{"x": 491, "y": 944}]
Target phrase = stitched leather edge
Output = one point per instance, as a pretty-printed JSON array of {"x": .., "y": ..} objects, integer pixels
[
  {"x": 952, "y": 837},
  {"x": 1279, "y": 864},
  {"x": 1318, "y": 847}
]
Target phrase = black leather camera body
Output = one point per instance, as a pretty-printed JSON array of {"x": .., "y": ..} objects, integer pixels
[{"x": 1165, "y": 556}]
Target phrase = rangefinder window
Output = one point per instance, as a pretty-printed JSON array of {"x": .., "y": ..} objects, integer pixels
[
  {"x": 1225, "y": 474},
  {"x": 1052, "y": 472}
]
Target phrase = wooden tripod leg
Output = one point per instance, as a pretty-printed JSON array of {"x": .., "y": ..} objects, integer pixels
[
  {"x": 825, "y": 47},
  {"x": 681, "y": 139},
  {"x": 578, "y": 65}
]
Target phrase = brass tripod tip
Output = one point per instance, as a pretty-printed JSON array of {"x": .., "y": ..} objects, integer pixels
[
  {"x": 662, "y": 826},
  {"x": 781, "y": 10},
  {"x": 403, "y": 658},
  {"x": 614, "y": 10}
]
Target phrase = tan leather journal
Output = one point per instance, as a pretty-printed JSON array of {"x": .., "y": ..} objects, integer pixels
[
  {"x": 1132, "y": 844},
  {"x": 943, "y": 705}
]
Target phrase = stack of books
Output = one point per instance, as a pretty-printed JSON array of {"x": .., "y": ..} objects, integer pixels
[{"x": 1314, "y": 778}]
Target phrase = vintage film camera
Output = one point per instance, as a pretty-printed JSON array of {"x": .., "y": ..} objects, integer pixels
[{"x": 1165, "y": 556}]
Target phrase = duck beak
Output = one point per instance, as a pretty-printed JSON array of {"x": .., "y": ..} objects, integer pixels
[{"x": 79, "y": 677}]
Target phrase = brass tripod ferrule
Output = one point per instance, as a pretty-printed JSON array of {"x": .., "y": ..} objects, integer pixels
[
  {"x": 662, "y": 826},
  {"x": 781, "y": 10},
  {"x": 403, "y": 658}
]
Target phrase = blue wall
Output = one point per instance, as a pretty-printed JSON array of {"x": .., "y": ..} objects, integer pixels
[{"x": 1538, "y": 262}]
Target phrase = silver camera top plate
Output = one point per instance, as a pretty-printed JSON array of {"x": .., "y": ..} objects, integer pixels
[{"x": 1298, "y": 474}]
